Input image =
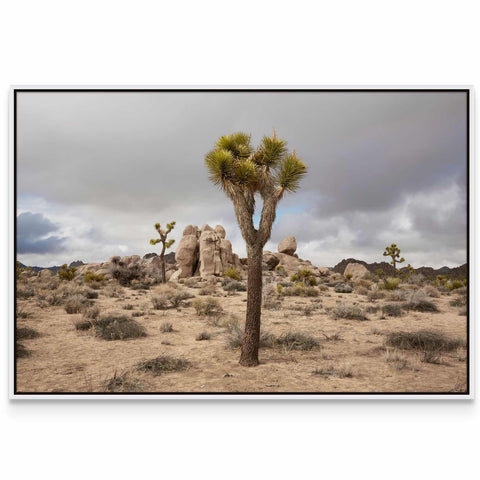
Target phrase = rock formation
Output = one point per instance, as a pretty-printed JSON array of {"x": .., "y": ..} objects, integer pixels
[
  {"x": 288, "y": 246},
  {"x": 356, "y": 270}
]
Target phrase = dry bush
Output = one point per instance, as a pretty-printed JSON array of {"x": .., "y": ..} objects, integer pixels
[
  {"x": 300, "y": 290},
  {"x": 54, "y": 299},
  {"x": 206, "y": 306},
  {"x": 162, "y": 364},
  {"x": 334, "y": 337},
  {"x": 114, "y": 291},
  {"x": 431, "y": 291},
  {"x": 362, "y": 290},
  {"x": 124, "y": 382},
  {"x": 458, "y": 302},
  {"x": 207, "y": 290},
  {"x": 271, "y": 300},
  {"x": 125, "y": 274},
  {"x": 363, "y": 282},
  {"x": 166, "y": 327},
  {"x": 375, "y": 295},
  {"x": 89, "y": 293},
  {"x": 25, "y": 333},
  {"x": 76, "y": 303},
  {"x": 234, "y": 285},
  {"x": 431, "y": 356},
  {"x": 235, "y": 334},
  {"x": 392, "y": 310},
  {"x": 25, "y": 292},
  {"x": 342, "y": 371},
  {"x": 169, "y": 297},
  {"x": 202, "y": 336},
  {"x": 419, "y": 302},
  {"x": 349, "y": 312},
  {"x": 297, "y": 341},
  {"x": 399, "y": 359},
  {"x": 21, "y": 351},
  {"x": 128, "y": 306},
  {"x": 372, "y": 309},
  {"x": 423, "y": 340},
  {"x": 117, "y": 327}
]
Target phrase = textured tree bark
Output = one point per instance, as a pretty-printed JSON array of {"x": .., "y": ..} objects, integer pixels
[
  {"x": 162, "y": 259},
  {"x": 249, "y": 356}
]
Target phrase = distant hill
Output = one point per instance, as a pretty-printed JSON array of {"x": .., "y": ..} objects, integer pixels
[
  {"x": 455, "y": 272},
  {"x": 76, "y": 263}
]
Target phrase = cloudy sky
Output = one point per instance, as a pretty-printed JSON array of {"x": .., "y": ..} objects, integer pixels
[{"x": 95, "y": 171}]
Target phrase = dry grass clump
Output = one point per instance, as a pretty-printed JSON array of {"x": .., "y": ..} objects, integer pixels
[
  {"x": 372, "y": 309},
  {"x": 362, "y": 290},
  {"x": 21, "y": 351},
  {"x": 76, "y": 303},
  {"x": 166, "y": 327},
  {"x": 114, "y": 291},
  {"x": 206, "y": 306},
  {"x": 300, "y": 290},
  {"x": 392, "y": 310},
  {"x": 349, "y": 312},
  {"x": 431, "y": 291},
  {"x": 207, "y": 290},
  {"x": 117, "y": 327},
  {"x": 162, "y": 364},
  {"x": 297, "y": 341},
  {"x": 25, "y": 333},
  {"x": 202, "y": 336},
  {"x": 375, "y": 295},
  {"x": 124, "y": 382},
  {"x": 235, "y": 336},
  {"x": 423, "y": 340},
  {"x": 399, "y": 359},
  {"x": 418, "y": 301},
  {"x": 230, "y": 285},
  {"x": 25, "y": 292},
  {"x": 458, "y": 302},
  {"x": 169, "y": 297},
  {"x": 342, "y": 371}
]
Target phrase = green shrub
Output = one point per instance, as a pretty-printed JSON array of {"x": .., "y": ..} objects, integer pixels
[
  {"x": 390, "y": 283},
  {"x": 233, "y": 273},
  {"x": 90, "y": 277},
  {"x": 300, "y": 290},
  {"x": 66, "y": 273}
]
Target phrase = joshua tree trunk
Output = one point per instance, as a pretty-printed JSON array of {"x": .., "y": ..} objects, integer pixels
[
  {"x": 162, "y": 259},
  {"x": 249, "y": 356}
]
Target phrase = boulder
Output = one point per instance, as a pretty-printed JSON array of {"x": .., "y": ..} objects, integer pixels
[
  {"x": 269, "y": 261},
  {"x": 206, "y": 228},
  {"x": 149, "y": 255},
  {"x": 288, "y": 246},
  {"x": 191, "y": 230},
  {"x": 186, "y": 255},
  {"x": 210, "y": 256},
  {"x": 220, "y": 231},
  {"x": 45, "y": 273},
  {"x": 226, "y": 253},
  {"x": 356, "y": 270}
]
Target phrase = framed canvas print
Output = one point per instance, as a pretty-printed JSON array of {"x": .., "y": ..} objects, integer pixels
[{"x": 240, "y": 242}]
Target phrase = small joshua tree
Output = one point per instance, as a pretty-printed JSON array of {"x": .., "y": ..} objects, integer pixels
[
  {"x": 394, "y": 252},
  {"x": 243, "y": 171},
  {"x": 165, "y": 244}
]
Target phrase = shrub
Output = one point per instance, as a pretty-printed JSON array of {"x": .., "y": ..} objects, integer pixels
[
  {"x": 21, "y": 351},
  {"x": 375, "y": 295},
  {"x": 431, "y": 291},
  {"x": 280, "y": 271},
  {"x": 166, "y": 327},
  {"x": 206, "y": 306},
  {"x": 66, "y": 273},
  {"x": 344, "y": 371},
  {"x": 399, "y": 359},
  {"x": 202, "y": 336},
  {"x": 161, "y": 302},
  {"x": 76, "y": 303},
  {"x": 177, "y": 298},
  {"x": 90, "y": 293},
  {"x": 390, "y": 283},
  {"x": 123, "y": 383},
  {"x": 418, "y": 301},
  {"x": 117, "y": 327},
  {"x": 305, "y": 276},
  {"x": 233, "y": 273},
  {"x": 458, "y": 302},
  {"x": 297, "y": 341},
  {"x": 128, "y": 306},
  {"x": 114, "y": 291},
  {"x": 234, "y": 286},
  {"x": 90, "y": 277},
  {"x": 25, "y": 292},
  {"x": 207, "y": 290},
  {"x": 300, "y": 290},
  {"x": 169, "y": 297},
  {"x": 162, "y": 364},
  {"x": 361, "y": 290},
  {"x": 349, "y": 312},
  {"x": 270, "y": 297},
  {"x": 91, "y": 313},
  {"x": 372, "y": 309},
  {"x": 54, "y": 299},
  {"x": 24, "y": 333},
  {"x": 125, "y": 274},
  {"x": 343, "y": 288},
  {"x": 423, "y": 340},
  {"x": 392, "y": 310},
  {"x": 454, "y": 284},
  {"x": 235, "y": 336}
]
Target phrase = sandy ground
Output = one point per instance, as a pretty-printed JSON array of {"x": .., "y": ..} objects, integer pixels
[{"x": 65, "y": 360}]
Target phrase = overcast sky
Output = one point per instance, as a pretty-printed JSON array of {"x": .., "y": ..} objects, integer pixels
[{"x": 95, "y": 171}]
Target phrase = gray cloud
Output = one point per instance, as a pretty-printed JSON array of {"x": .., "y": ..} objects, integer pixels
[
  {"x": 381, "y": 165},
  {"x": 32, "y": 234}
]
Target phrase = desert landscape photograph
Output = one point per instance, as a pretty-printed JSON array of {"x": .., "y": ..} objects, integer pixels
[{"x": 241, "y": 242}]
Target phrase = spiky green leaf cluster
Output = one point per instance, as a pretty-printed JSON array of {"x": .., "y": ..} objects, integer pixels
[{"x": 235, "y": 166}]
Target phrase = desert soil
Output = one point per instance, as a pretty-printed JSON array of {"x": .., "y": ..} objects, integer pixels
[{"x": 63, "y": 359}]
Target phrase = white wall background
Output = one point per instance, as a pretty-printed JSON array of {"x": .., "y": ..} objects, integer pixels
[{"x": 247, "y": 42}]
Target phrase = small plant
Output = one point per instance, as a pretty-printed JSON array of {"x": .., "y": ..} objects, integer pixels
[
  {"x": 25, "y": 292},
  {"x": 300, "y": 290},
  {"x": 233, "y": 273},
  {"x": 392, "y": 310},
  {"x": 21, "y": 351},
  {"x": 280, "y": 271},
  {"x": 207, "y": 290},
  {"x": 166, "y": 244},
  {"x": 399, "y": 359},
  {"x": 125, "y": 382},
  {"x": 235, "y": 337},
  {"x": 117, "y": 327},
  {"x": 162, "y": 364},
  {"x": 24, "y": 333},
  {"x": 166, "y": 327},
  {"x": 375, "y": 295},
  {"x": 344, "y": 371},
  {"x": 202, "y": 336},
  {"x": 348, "y": 276},
  {"x": 66, "y": 273},
  {"x": 390, "y": 283},
  {"x": 91, "y": 277},
  {"x": 128, "y": 306},
  {"x": 418, "y": 301},
  {"x": 423, "y": 340},
  {"x": 234, "y": 286},
  {"x": 206, "y": 306},
  {"x": 91, "y": 313},
  {"x": 349, "y": 312},
  {"x": 458, "y": 302},
  {"x": 431, "y": 356},
  {"x": 305, "y": 276},
  {"x": 297, "y": 341},
  {"x": 161, "y": 302},
  {"x": 394, "y": 253},
  {"x": 76, "y": 303},
  {"x": 279, "y": 289}
]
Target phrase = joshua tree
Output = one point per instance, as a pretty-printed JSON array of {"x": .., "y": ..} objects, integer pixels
[
  {"x": 394, "y": 252},
  {"x": 242, "y": 172},
  {"x": 165, "y": 244}
]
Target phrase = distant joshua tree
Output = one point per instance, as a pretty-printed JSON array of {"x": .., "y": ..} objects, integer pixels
[
  {"x": 394, "y": 252},
  {"x": 243, "y": 171},
  {"x": 165, "y": 244}
]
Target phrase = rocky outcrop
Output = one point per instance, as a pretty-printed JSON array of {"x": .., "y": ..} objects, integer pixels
[
  {"x": 356, "y": 270},
  {"x": 269, "y": 261},
  {"x": 288, "y": 246},
  {"x": 187, "y": 253}
]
